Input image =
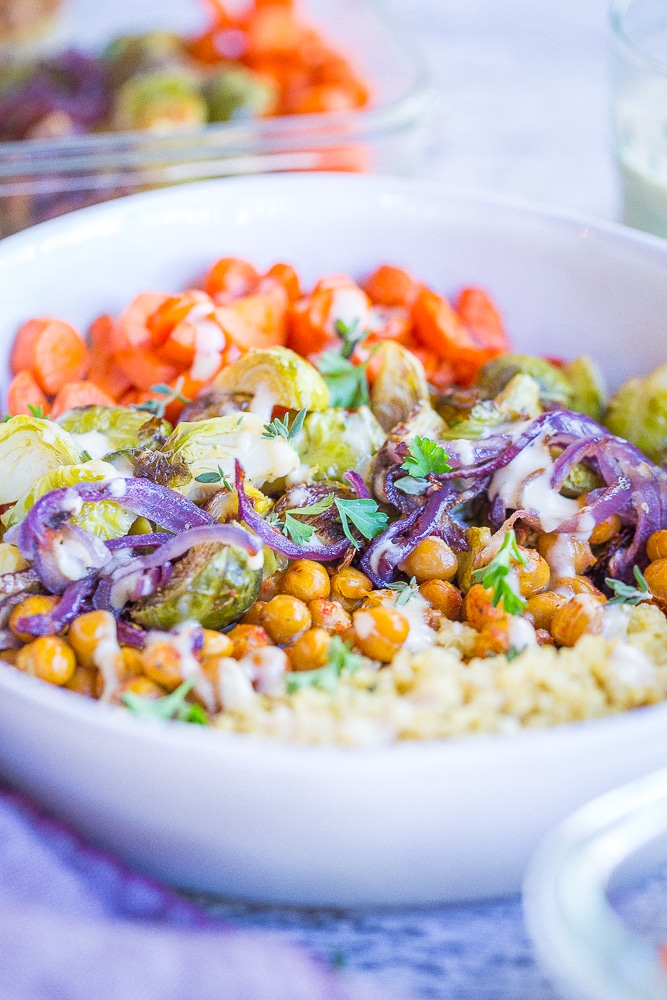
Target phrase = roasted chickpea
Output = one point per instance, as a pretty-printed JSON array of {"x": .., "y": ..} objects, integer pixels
[
  {"x": 380, "y": 632},
  {"x": 606, "y": 530},
  {"x": 307, "y": 580},
  {"x": 329, "y": 615},
  {"x": 493, "y": 639},
  {"x": 569, "y": 586},
  {"x": 253, "y": 615},
  {"x": 246, "y": 638},
  {"x": 285, "y": 618},
  {"x": 560, "y": 549},
  {"x": 535, "y": 575},
  {"x": 310, "y": 650},
  {"x": 49, "y": 658},
  {"x": 581, "y": 614},
  {"x": 478, "y": 607},
  {"x": 444, "y": 597},
  {"x": 431, "y": 559},
  {"x": 350, "y": 586},
  {"x": 86, "y": 633},
  {"x": 216, "y": 644},
  {"x": 83, "y": 681},
  {"x": 162, "y": 663},
  {"x": 540, "y": 608},
  {"x": 656, "y": 546},
  {"x": 36, "y": 604},
  {"x": 142, "y": 686},
  {"x": 656, "y": 577}
]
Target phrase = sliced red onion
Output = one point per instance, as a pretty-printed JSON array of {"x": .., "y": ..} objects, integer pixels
[
  {"x": 358, "y": 485},
  {"x": 149, "y": 540},
  {"x": 71, "y": 604},
  {"x": 274, "y": 538},
  {"x": 8, "y": 640},
  {"x": 129, "y": 634}
]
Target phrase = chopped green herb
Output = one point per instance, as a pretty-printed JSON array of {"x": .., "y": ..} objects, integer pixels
[
  {"x": 625, "y": 593},
  {"x": 86, "y": 456},
  {"x": 405, "y": 591},
  {"x": 282, "y": 428},
  {"x": 512, "y": 653},
  {"x": 425, "y": 458},
  {"x": 340, "y": 659},
  {"x": 37, "y": 411},
  {"x": 215, "y": 477},
  {"x": 172, "y": 706},
  {"x": 312, "y": 509},
  {"x": 350, "y": 335},
  {"x": 364, "y": 515},
  {"x": 298, "y": 532},
  {"x": 7, "y": 416},
  {"x": 497, "y": 575},
  {"x": 158, "y": 407},
  {"x": 347, "y": 383},
  {"x": 408, "y": 484}
]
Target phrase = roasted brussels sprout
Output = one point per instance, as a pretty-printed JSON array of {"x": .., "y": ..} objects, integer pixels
[
  {"x": 589, "y": 392},
  {"x": 237, "y": 92},
  {"x": 102, "y": 430},
  {"x": 638, "y": 412},
  {"x": 399, "y": 385},
  {"x": 519, "y": 400},
  {"x": 105, "y": 519},
  {"x": 11, "y": 560},
  {"x": 555, "y": 387},
  {"x": 127, "y": 55},
  {"x": 160, "y": 101},
  {"x": 212, "y": 584},
  {"x": 215, "y": 403},
  {"x": 335, "y": 441},
  {"x": 275, "y": 377},
  {"x": 208, "y": 448},
  {"x": 29, "y": 448}
]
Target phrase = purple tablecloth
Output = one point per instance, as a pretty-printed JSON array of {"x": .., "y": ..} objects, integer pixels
[{"x": 75, "y": 924}]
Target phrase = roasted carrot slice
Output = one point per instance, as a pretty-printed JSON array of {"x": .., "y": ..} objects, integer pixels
[
  {"x": 23, "y": 349},
  {"x": 439, "y": 327},
  {"x": 481, "y": 317},
  {"x": 231, "y": 277},
  {"x": 257, "y": 320},
  {"x": 286, "y": 276},
  {"x": 312, "y": 321},
  {"x": 132, "y": 328},
  {"x": 83, "y": 393},
  {"x": 24, "y": 393},
  {"x": 59, "y": 355},
  {"x": 391, "y": 286},
  {"x": 143, "y": 369},
  {"x": 173, "y": 311}
]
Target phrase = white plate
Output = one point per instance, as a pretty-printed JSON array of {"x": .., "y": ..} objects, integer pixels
[{"x": 236, "y": 816}]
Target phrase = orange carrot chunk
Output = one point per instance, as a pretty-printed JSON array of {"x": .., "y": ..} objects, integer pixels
[
  {"x": 439, "y": 327},
  {"x": 24, "y": 393},
  {"x": 391, "y": 286},
  {"x": 59, "y": 355},
  {"x": 132, "y": 328},
  {"x": 231, "y": 277},
  {"x": 481, "y": 317},
  {"x": 23, "y": 349},
  {"x": 286, "y": 276},
  {"x": 82, "y": 393},
  {"x": 143, "y": 369},
  {"x": 257, "y": 320}
]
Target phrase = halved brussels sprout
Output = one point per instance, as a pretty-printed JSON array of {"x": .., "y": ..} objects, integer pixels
[
  {"x": 11, "y": 560},
  {"x": 238, "y": 92},
  {"x": 638, "y": 412},
  {"x": 590, "y": 394},
  {"x": 215, "y": 403},
  {"x": 555, "y": 387},
  {"x": 276, "y": 376},
  {"x": 399, "y": 385},
  {"x": 102, "y": 430},
  {"x": 519, "y": 400},
  {"x": 161, "y": 101},
  {"x": 105, "y": 519},
  {"x": 127, "y": 55},
  {"x": 335, "y": 441},
  {"x": 212, "y": 584},
  {"x": 208, "y": 448},
  {"x": 29, "y": 448}
]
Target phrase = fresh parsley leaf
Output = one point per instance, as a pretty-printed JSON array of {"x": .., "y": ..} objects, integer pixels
[
  {"x": 405, "y": 591},
  {"x": 364, "y": 515},
  {"x": 282, "y": 428},
  {"x": 497, "y": 575},
  {"x": 37, "y": 411},
  {"x": 298, "y": 532},
  {"x": 350, "y": 335},
  {"x": 625, "y": 593},
  {"x": 158, "y": 407},
  {"x": 347, "y": 383},
  {"x": 312, "y": 509},
  {"x": 86, "y": 456},
  {"x": 512, "y": 653},
  {"x": 340, "y": 659},
  {"x": 415, "y": 487},
  {"x": 425, "y": 458},
  {"x": 215, "y": 477},
  {"x": 172, "y": 706},
  {"x": 7, "y": 416}
]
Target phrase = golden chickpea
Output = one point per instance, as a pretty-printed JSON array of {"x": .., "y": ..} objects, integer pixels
[
  {"x": 162, "y": 664},
  {"x": 605, "y": 530},
  {"x": 478, "y": 608},
  {"x": 142, "y": 686},
  {"x": 307, "y": 580},
  {"x": 581, "y": 614},
  {"x": 246, "y": 638},
  {"x": 216, "y": 644},
  {"x": 49, "y": 658},
  {"x": 36, "y": 604},
  {"x": 132, "y": 661},
  {"x": 270, "y": 587},
  {"x": 83, "y": 681},
  {"x": 380, "y": 632},
  {"x": 253, "y": 615},
  {"x": 310, "y": 650},
  {"x": 540, "y": 608},
  {"x": 87, "y": 632},
  {"x": 493, "y": 639},
  {"x": 285, "y": 618},
  {"x": 656, "y": 577},
  {"x": 656, "y": 546},
  {"x": 570, "y": 586},
  {"x": 431, "y": 559},
  {"x": 350, "y": 586},
  {"x": 559, "y": 549},
  {"x": 444, "y": 597},
  {"x": 544, "y": 637},
  {"x": 329, "y": 615},
  {"x": 535, "y": 575}
]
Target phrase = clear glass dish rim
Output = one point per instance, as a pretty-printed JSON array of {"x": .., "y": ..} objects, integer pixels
[{"x": 622, "y": 39}]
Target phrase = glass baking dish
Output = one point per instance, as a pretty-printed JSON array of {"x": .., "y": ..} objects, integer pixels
[
  {"x": 595, "y": 897},
  {"x": 40, "y": 179}
]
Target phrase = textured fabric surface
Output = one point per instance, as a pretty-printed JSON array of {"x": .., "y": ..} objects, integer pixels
[{"x": 77, "y": 925}]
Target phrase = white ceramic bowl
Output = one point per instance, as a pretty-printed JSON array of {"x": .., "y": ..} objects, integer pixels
[{"x": 243, "y": 818}]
